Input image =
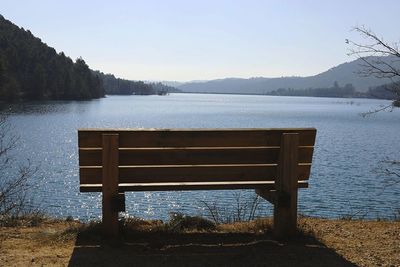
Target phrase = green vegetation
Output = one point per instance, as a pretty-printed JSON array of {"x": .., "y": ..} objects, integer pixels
[
  {"x": 29, "y": 69},
  {"x": 117, "y": 86}
]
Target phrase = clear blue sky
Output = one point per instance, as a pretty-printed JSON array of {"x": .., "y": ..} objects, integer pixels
[{"x": 191, "y": 40}]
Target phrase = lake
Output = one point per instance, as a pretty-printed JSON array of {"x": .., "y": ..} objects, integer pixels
[{"x": 345, "y": 180}]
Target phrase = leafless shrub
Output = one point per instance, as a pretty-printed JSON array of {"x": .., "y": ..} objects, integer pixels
[
  {"x": 388, "y": 170},
  {"x": 244, "y": 210},
  {"x": 392, "y": 172},
  {"x": 14, "y": 181},
  {"x": 354, "y": 214}
]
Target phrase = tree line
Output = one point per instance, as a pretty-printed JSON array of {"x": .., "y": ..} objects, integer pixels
[
  {"x": 118, "y": 86},
  {"x": 385, "y": 91},
  {"x": 334, "y": 91}
]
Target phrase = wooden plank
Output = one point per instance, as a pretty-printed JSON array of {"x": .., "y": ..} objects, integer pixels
[
  {"x": 90, "y": 157},
  {"x": 129, "y": 138},
  {"x": 285, "y": 211},
  {"x": 90, "y": 175},
  {"x": 204, "y": 173},
  {"x": 110, "y": 184},
  {"x": 192, "y": 156},
  {"x": 189, "y": 186},
  {"x": 200, "y": 156}
]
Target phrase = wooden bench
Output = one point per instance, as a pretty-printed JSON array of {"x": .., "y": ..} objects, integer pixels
[{"x": 274, "y": 162}]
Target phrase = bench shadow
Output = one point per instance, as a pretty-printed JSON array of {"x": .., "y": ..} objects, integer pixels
[{"x": 202, "y": 249}]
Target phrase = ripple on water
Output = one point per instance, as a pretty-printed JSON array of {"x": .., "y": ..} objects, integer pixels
[{"x": 344, "y": 177}]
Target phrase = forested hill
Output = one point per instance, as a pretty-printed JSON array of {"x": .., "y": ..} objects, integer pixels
[
  {"x": 118, "y": 86},
  {"x": 30, "y": 69}
]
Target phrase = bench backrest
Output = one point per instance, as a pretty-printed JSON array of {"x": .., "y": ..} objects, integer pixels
[{"x": 192, "y": 155}]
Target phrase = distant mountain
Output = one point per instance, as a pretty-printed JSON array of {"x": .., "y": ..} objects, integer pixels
[{"x": 343, "y": 74}]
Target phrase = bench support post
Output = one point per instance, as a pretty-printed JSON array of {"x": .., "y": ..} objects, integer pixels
[
  {"x": 269, "y": 195},
  {"x": 285, "y": 206},
  {"x": 110, "y": 184}
]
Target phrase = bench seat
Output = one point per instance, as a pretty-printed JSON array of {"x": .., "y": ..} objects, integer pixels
[{"x": 274, "y": 162}]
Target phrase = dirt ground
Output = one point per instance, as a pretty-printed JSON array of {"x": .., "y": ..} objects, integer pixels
[{"x": 319, "y": 243}]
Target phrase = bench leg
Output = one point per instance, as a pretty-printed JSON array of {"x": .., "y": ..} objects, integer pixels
[
  {"x": 285, "y": 215},
  {"x": 285, "y": 208},
  {"x": 110, "y": 184},
  {"x": 110, "y": 217}
]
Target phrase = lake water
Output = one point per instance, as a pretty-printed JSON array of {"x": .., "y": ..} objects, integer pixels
[{"x": 345, "y": 177}]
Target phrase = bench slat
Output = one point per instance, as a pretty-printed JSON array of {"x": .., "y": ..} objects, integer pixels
[
  {"x": 189, "y": 186},
  {"x": 192, "y": 156},
  {"x": 195, "y": 137},
  {"x": 187, "y": 173}
]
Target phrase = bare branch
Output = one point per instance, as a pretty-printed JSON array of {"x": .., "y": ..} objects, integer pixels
[
  {"x": 244, "y": 210},
  {"x": 385, "y": 47},
  {"x": 392, "y": 173},
  {"x": 14, "y": 184},
  {"x": 379, "y": 59},
  {"x": 388, "y": 107}
]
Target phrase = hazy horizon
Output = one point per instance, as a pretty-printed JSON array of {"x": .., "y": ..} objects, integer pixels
[{"x": 182, "y": 41}]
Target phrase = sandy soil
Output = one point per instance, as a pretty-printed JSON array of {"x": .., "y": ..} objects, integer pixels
[{"x": 320, "y": 243}]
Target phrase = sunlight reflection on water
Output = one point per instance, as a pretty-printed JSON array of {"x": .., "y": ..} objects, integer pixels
[{"x": 348, "y": 149}]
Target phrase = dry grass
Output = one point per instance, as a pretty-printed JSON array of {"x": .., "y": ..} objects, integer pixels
[
  {"x": 188, "y": 224},
  {"x": 367, "y": 243},
  {"x": 257, "y": 226},
  {"x": 188, "y": 240},
  {"x": 29, "y": 219}
]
